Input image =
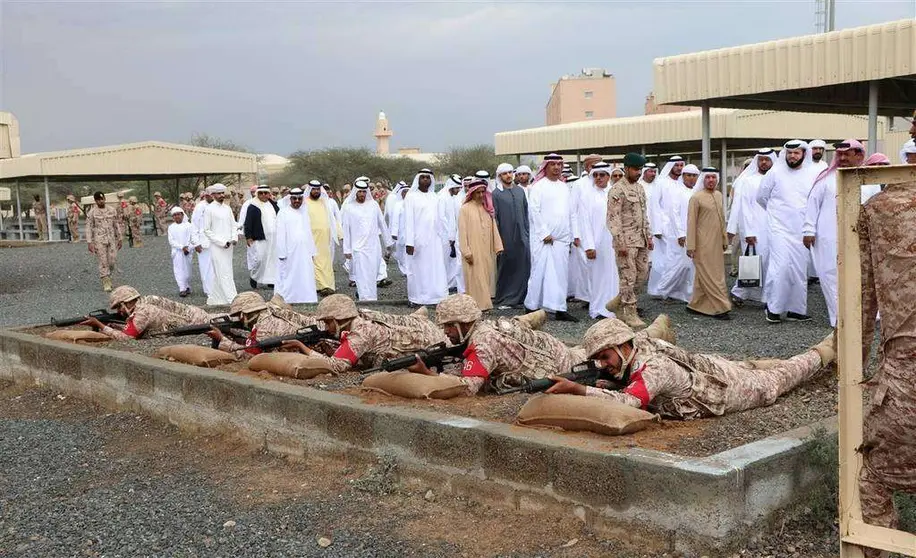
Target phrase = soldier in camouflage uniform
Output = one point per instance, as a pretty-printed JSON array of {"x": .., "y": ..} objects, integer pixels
[
  {"x": 160, "y": 210},
  {"x": 121, "y": 208},
  {"x": 629, "y": 226},
  {"x": 146, "y": 315},
  {"x": 669, "y": 380},
  {"x": 264, "y": 319},
  {"x": 500, "y": 353},
  {"x": 73, "y": 218},
  {"x": 41, "y": 218},
  {"x": 371, "y": 337},
  {"x": 887, "y": 242},
  {"x": 135, "y": 221},
  {"x": 103, "y": 236}
]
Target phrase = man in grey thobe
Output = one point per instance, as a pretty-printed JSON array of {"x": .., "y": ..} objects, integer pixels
[{"x": 513, "y": 265}]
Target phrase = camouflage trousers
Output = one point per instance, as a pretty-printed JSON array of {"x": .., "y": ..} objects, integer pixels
[
  {"x": 889, "y": 443},
  {"x": 758, "y": 383},
  {"x": 41, "y": 223},
  {"x": 106, "y": 254},
  {"x": 159, "y": 221},
  {"x": 74, "y": 225},
  {"x": 633, "y": 270},
  {"x": 135, "y": 232}
]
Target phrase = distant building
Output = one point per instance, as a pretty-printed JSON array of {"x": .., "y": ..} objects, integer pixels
[
  {"x": 591, "y": 95},
  {"x": 652, "y": 108},
  {"x": 383, "y": 134}
]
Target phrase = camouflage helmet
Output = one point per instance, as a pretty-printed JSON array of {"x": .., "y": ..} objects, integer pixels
[
  {"x": 247, "y": 302},
  {"x": 609, "y": 332},
  {"x": 132, "y": 199},
  {"x": 459, "y": 308},
  {"x": 71, "y": 197},
  {"x": 337, "y": 307},
  {"x": 124, "y": 293}
]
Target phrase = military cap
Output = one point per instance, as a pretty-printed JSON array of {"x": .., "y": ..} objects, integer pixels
[
  {"x": 607, "y": 333},
  {"x": 460, "y": 308},
  {"x": 337, "y": 307}
]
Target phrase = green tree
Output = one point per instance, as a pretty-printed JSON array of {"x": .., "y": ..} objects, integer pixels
[
  {"x": 341, "y": 165},
  {"x": 212, "y": 142},
  {"x": 466, "y": 161}
]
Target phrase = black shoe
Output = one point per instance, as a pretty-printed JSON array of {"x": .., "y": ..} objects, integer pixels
[
  {"x": 723, "y": 316},
  {"x": 182, "y": 294},
  {"x": 737, "y": 300},
  {"x": 814, "y": 281},
  {"x": 253, "y": 283},
  {"x": 771, "y": 317},
  {"x": 352, "y": 283},
  {"x": 565, "y": 317},
  {"x": 453, "y": 290},
  {"x": 793, "y": 317},
  {"x": 383, "y": 283}
]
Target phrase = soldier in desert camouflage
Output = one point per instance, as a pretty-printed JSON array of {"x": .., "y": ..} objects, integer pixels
[
  {"x": 41, "y": 218},
  {"x": 73, "y": 218},
  {"x": 264, "y": 319},
  {"x": 135, "y": 221},
  {"x": 678, "y": 384},
  {"x": 887, "y": 243},
  {"x": 104, "y": 237},
  {"x": 147, "y": 315},
  {"x": 160, "y": 210}
]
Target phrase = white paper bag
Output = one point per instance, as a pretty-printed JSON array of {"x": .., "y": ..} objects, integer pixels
[{"x": 749, "y": 268}]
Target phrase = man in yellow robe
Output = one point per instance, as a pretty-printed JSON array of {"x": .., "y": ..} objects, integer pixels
[
  {"x": 326, "y": 233},
  {"x": 479, "y": 243}
]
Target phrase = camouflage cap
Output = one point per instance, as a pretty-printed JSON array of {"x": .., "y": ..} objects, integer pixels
[
  {"x": 247, "y": 302},
  {"x": 71, "y": 198},
  {"x": 124, "y": 293},
  {"x": 609, "y": 332},
  {"x": 132, "y": 199},
  {"x": 157, "y": 194},
  {"x": 460, "y": 308},
  {"x": 337, "y": 307}
]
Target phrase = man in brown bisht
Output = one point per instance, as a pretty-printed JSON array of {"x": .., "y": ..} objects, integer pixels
[
  {"x": 887, "y": 243},
  {"x": 706, "y": 244},
  {"x": 480, "y": 243}
]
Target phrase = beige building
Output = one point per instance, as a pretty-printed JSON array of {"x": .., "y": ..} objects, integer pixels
[
  {"x": 654, "y": 108},
  {"x": 591, "y": 95}
]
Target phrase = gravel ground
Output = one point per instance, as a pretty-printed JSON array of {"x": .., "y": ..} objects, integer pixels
[{"x": 78, "y": 481}]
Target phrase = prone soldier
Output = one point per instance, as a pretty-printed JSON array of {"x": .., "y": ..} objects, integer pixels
[
  {"x": 263, "y": 319},
  {"x": 104, "y": 237},
  {"x": 147, "y": 315}
]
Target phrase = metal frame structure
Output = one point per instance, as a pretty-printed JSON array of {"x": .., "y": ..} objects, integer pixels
[{"x": 854, "y": 532}]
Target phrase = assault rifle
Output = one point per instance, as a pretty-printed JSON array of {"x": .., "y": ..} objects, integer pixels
[
  {"x": 102, "y": 315},
  {"x": 309, "y": 335},
  {"x": 434, "y": 356},
  {"x": 224, "y": 324},
  {"x": 585, "y": 373}
]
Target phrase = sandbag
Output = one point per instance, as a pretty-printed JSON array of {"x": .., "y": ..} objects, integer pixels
[
  {"x": 291, "y": 365},
  {"x": 591, "y": 414},
  {"x": 415, "y": 386},
  {"x": 196, "y": 355},
  {"x": 77, "y": 336}
]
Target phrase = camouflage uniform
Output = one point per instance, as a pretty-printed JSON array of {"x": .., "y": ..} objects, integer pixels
[
  {"x": 73, "y": 221},
  {"x": 887, "y": 242},
  {"x": 374, "y": 337},
  {"x": 160, "y": 210},
  {"x": 135, "y": 220},
  {"x": 629, "y": 226},
  {"x": 103, "y": 233},
  {"x": 121, "y": 208},
  {"x": 155, "y": 314},
  {"x": 41, "y": 219},
  {"x": 272, "y": 322}
]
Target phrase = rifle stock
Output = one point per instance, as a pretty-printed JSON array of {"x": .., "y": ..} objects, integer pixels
[
  {"x": 434, "y": 356},
  {"x": 101, "y": 315},
  {"x": 309, "y": 335},
  {"x": 224, "y": 324},
  {"x": 586, "y": 373}
]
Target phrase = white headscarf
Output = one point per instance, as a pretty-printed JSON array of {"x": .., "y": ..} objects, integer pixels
[
  {"x": 700, "y": 181},
  {"x": 415, "y": 185},
  {"x": 666, "y": 170},
  {"x": 648, "y": 166},
  {"x": 796, "y": 143},
  {"x": 751, "y": 169},
  {"x": 817, "y": 143},
  {"x": 690, "y": 169},
  {"x": 908, "y": 147},
  {"x": 360, "y": 185}
]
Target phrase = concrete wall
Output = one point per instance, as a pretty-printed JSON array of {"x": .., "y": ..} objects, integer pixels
[{"x": 645, "y": 498}]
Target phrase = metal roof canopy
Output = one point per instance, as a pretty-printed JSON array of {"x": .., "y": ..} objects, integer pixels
[
  {"x": 662, "y": 134},
  {"x": 151, "y": 160},
  {"x": 846, "y": 71}
]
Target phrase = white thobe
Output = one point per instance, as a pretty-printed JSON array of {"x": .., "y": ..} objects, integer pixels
[
  {"x": 677, "y": 279},
  {"x": 578, "y": 275},
  {"x": 745, "y": 219},
  {"x": 661, "y": 222},
  {"x": 334, "y": 221},
  {"x": 447, "y": 228},
  {"x": 395, "y": 225},
  {"x": 821, "y": 223},
  {"x": 603, "y": 281},
  {"x": 251, "y": 253},
  {"x": 363, "y": 224},
  {"x": 179, "y": 235},
  {"x": 198, "y": 238},
  {"x": 784, "y": 194},
  {"x": 220, "y": 230},
  {"x": 265, "y": 268},
  {"x": 295, "y": 249},
  {"x": 549, "y": 214},
  {"x": 427, "y": 281}
]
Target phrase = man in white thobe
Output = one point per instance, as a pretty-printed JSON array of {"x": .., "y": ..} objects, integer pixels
[
  {"x": 523, "y": 178},
  {"x": 783, "y": 194},
  {"x": 550, "y": 237},
  {"x": 749, "y": 221},
  {"x": 597, "y": 242},
  {"x": 677, "y": 279},
  {"x": 363, "y": 226},
  {"x": 179, "y": 235},
  {"x": 260, "y": 229},
  {"x": 447, "y": 228},
  {"x": 427, "y": 281},
  {"x": 396, "y": 222},
  {"x": 251, "y": 257},
  {"x": 820, "y": 228},
  {"x": 667, "y": 184},
  {"x": 578, "y": 282},
  {"x": 200, "y": 242},
  {"x": 295, "y": 249},
  {"x": 219, "y": 228}
]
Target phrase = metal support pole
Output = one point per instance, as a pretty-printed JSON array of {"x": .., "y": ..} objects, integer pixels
[
  {"x": 19, "y": 212},
  {"x": 177, "y": 189},
  {"x": 48, "y": 209},
  {"x": 831, "y": 15},
  {"x": 873, "y": 116},
  {"x": 707, "y": 149},
  {"x": 723, "y": 171},
  {"x": 578, "y": 163}
]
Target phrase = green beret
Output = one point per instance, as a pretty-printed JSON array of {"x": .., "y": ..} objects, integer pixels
[{"x": 634, "y": 160}]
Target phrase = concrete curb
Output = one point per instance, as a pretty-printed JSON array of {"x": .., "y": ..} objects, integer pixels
[{"x": 648, "y": 498}]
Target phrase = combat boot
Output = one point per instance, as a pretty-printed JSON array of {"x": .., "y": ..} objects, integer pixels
[
  {"x": 628, "y": 316},
  {"x": 827, "y": 349},
  {"x": 106, "y": 284},
  {"x": 661, "y": 329},
  {"x": 534, "y": 320},
  {"x": 613, "y": 305}
]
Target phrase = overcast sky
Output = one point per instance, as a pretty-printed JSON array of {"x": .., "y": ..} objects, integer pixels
[{"x": 300, "y": 75}]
